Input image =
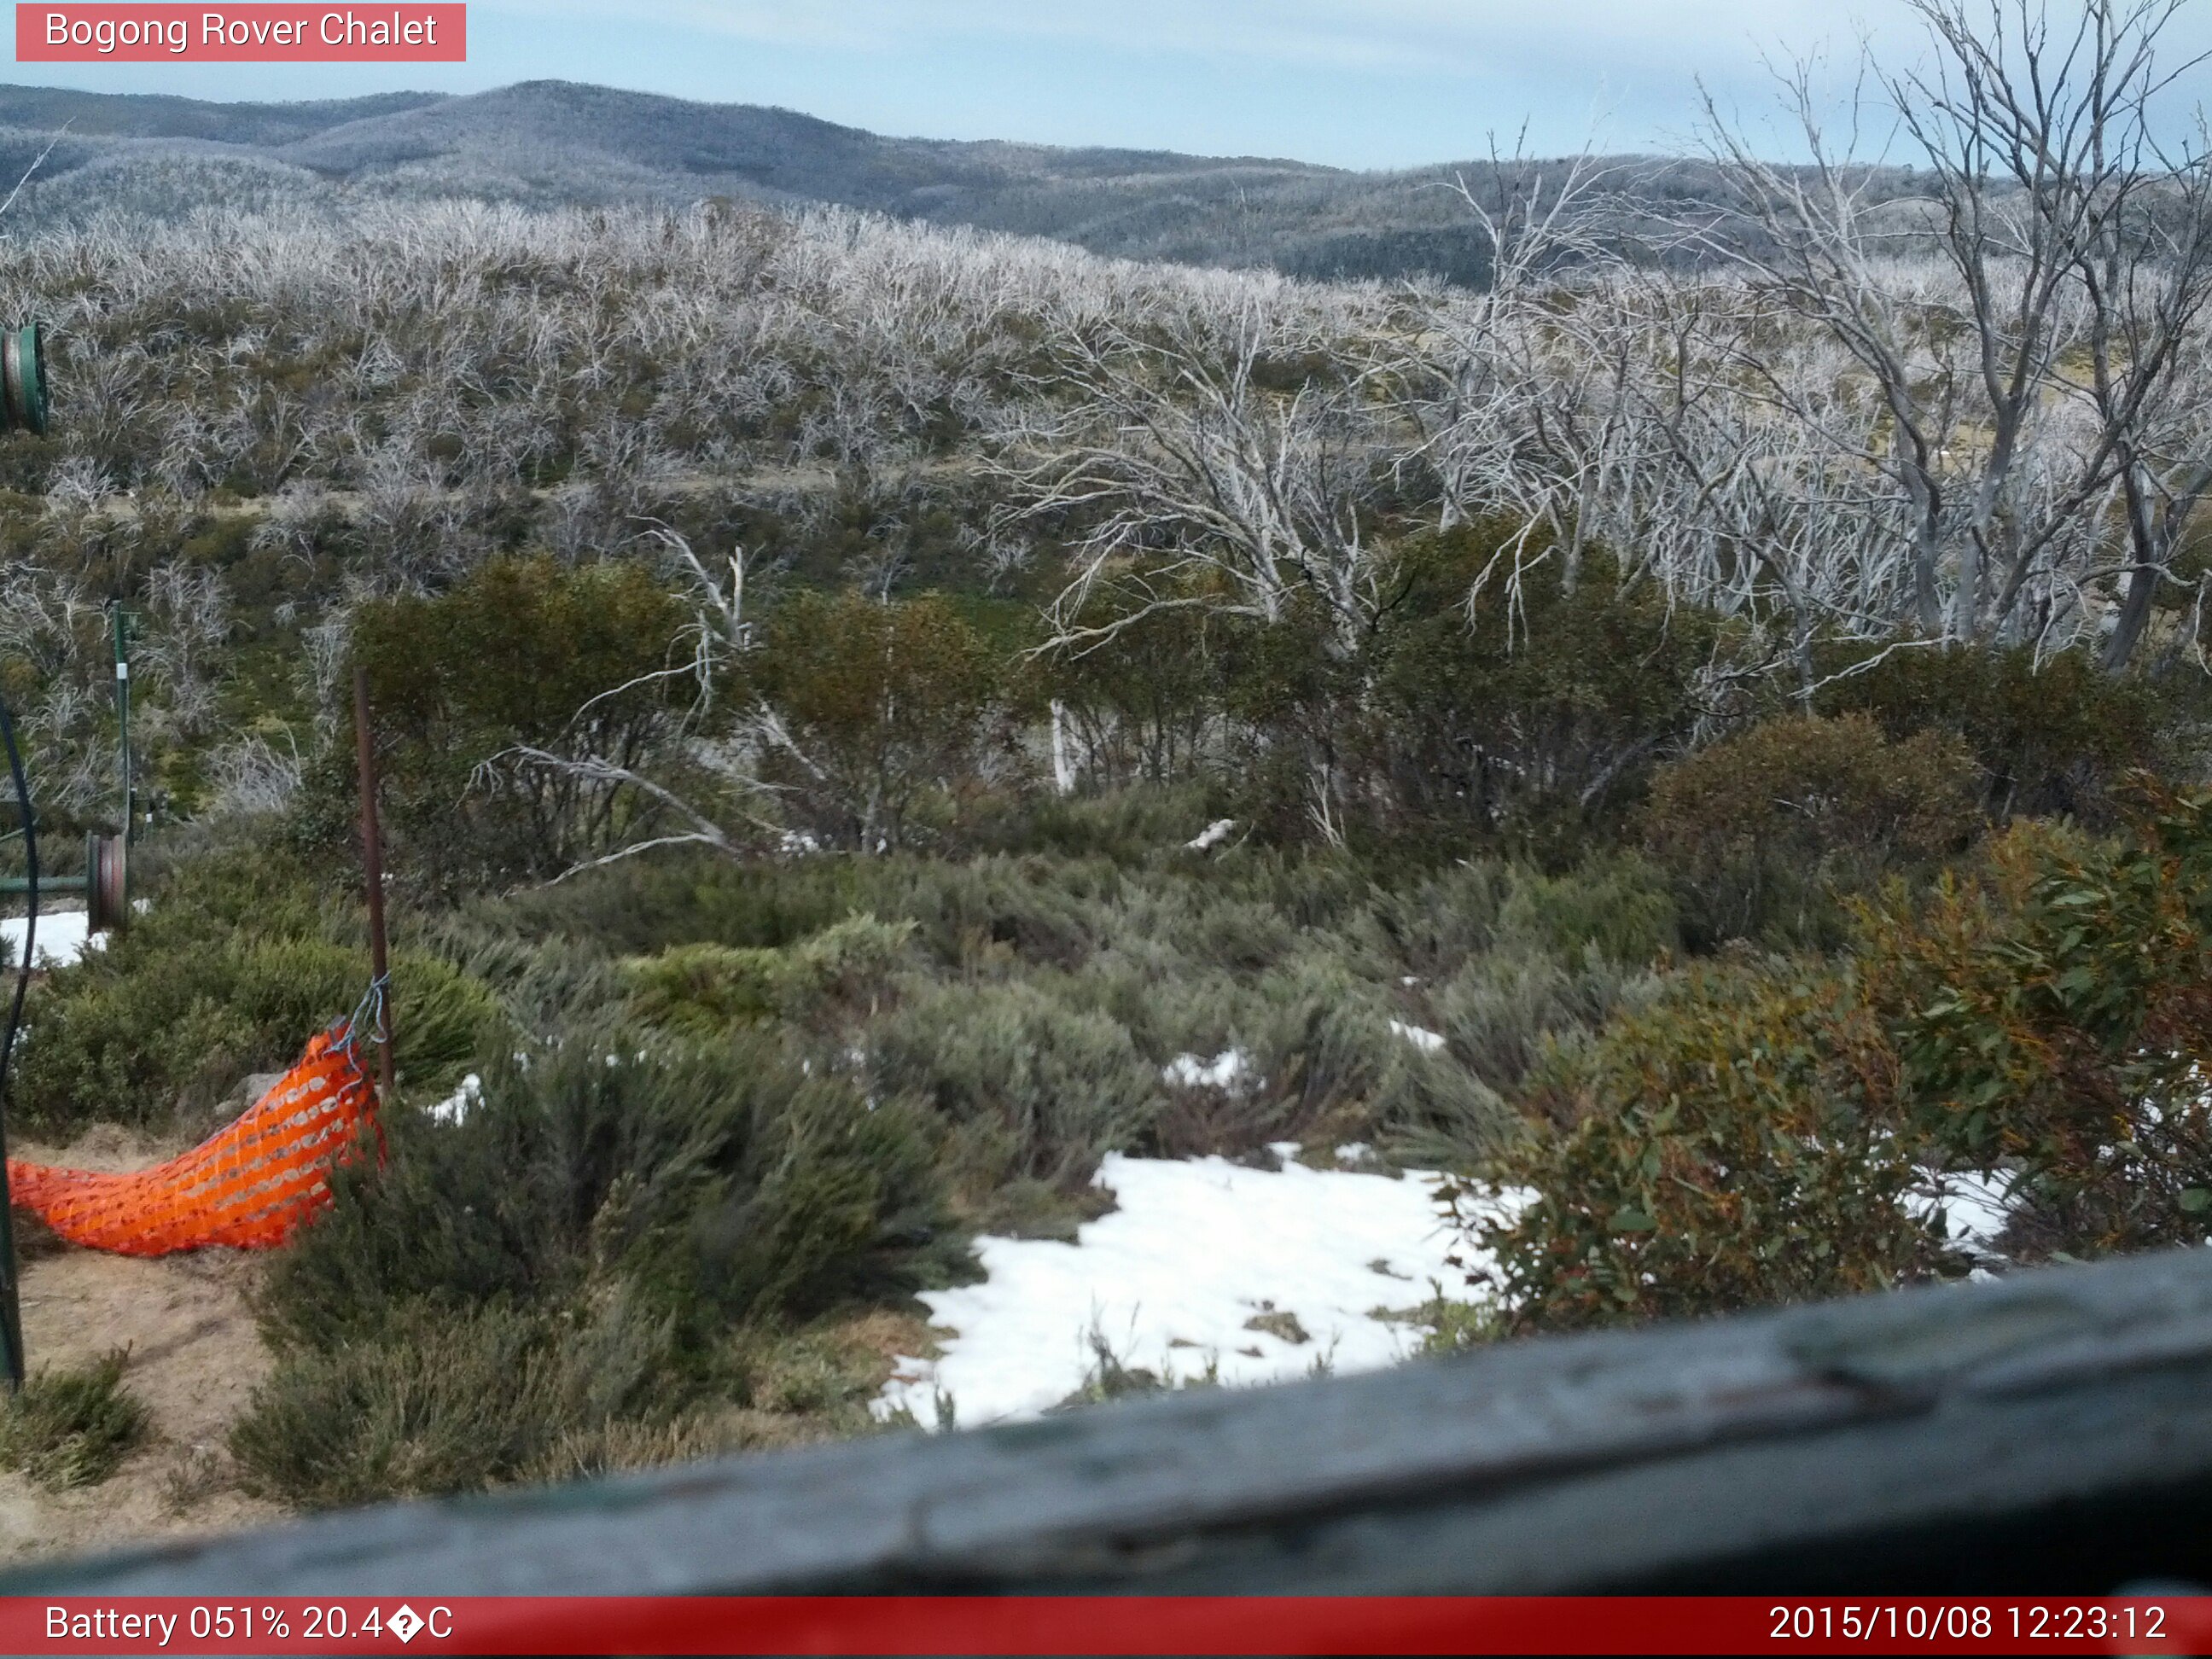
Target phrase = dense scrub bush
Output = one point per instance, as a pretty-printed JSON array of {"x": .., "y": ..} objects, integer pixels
[
  {"x": 707, "y": 989},
  {"x": 526, "y": 653},
  {"x": 1762, "y": 829},
  {"x": 444, "y": 1401},
  {"x": 1140, "y": 703},
  {"x": 720, "y": 1180},
  {"x": 1129, "y": 826},
  {"x": 1748, "y": 1139},
  {"x": 1530, "y": 716},
  {"x": 1716, "y": 1149},
  {"x": 583, "y": 1255},
  {"x": 875, "y": 702},
  {"x": 229, "y": 973},
  {"x": 2053, "y": 736},
  {"x": 1091, "y": 978},
  {"x": 1032, "y": 1088},
  {"x": 1526, "y": 716},
  {"x": 2054, "y": 1016}
]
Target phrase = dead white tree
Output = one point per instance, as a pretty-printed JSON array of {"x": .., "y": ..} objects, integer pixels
[
  {"x": 2036, "y": 352},
  {"x": 1201, "y": 459},
  {"x": 188, "y": 621}
]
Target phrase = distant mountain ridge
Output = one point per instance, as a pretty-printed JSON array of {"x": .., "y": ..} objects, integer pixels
[{"x": 543, "y": 142}]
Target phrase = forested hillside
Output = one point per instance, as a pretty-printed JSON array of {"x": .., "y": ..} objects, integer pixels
[{"x": 553, "y": 143}]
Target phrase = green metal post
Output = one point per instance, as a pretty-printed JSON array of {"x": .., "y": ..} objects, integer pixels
[
  {"x": 123, "y": 719},
  {"x": 11, "y": 1309}
]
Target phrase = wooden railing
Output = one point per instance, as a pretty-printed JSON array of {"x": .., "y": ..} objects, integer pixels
[{"x": 2051, "y": 1432}]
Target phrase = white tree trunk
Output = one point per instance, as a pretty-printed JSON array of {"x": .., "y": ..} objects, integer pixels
[{"x": 1063, "y": 764}]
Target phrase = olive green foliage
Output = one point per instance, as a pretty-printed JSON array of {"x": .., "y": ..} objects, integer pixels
[
  {"x": 1031, "y": 1007},
  {"x": 527, "y": 652},
  {"x": 706, "y": 989},
  {"x": 721, "y": 1179},
  {"x": 72, "y": 1427},
  {"x": 2053, "y": 736},
  {"x": 1142, "y": 699},
  {"x": 1764, "y": 828},
  {"x": 2053, "y": 1016},
  {"x": 591, "y": 1251},
  {"x": 1748, "y": 1139},
  {"x": 1535, "y": 712},
  {"x": 239, "y": 961},
  {"x": 1717, "y": 1150},
  {"x": 451, "y": 1403},
  {"x": 878, "y": 702},
  {"x": 1522, "y": 716},
  {"x": 1037, "y": 1087}
]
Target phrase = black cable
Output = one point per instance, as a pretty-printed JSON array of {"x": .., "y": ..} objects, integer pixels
[{"x": 11, "y": 1311}]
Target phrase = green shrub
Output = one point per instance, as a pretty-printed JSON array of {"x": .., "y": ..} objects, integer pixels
[
  {"x": 1615, "y": 908},
  {"x": 585, "y": 1267},
  {"x": 1140, "y": 703},
  {"x": 2054, "y": 1016},
  {"x": 1502, "y": 1012},
  {"x": 1762, "y": 827},
  {"x": 2053, "y": 736},
  {"x": 175, "y": 1013},
  {"x": 721, "y": 1182},
  {"x": 440, "y": 1401},
  {"x": 706, "y": 990},
  {"x": 881, "y": 701},
  {"x": 1747, "y": 1137},
  {"x": 72, "y": 1427},
  {"x": 1028, "y": 1086},
  {"x": 1527, "y": 717},
  {"x": 1727, "y": 1146},
  {"x": 703, "y": 990},
  {"x": 1430, "y": 1110},
  {"x": 526, "y": 650}
]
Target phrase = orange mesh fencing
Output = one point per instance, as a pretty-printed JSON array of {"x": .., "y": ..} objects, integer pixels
[{"x": 249, "y": 1185}]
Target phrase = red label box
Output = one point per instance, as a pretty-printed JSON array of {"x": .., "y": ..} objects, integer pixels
[{"x": 259, "y": 34}]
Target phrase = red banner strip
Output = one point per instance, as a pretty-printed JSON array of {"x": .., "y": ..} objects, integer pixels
[
  {"x": 1137, "y": 1625},
  {"x": 257, "y": 34}
]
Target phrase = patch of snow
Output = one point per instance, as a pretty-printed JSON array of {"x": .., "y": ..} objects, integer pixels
[
  {"x": 1354, "y": 1152},
  {"x": 1226, "y": 1070},
  {"x": 1427, "y": 1042},
  {"x": 458, "y": 1105},
  {"x": 798, "y": 844},
  {"x": 63, "y": 938},
  {"x": 1173, "y": 1278},
  {"x": 1212, "y": 836}
]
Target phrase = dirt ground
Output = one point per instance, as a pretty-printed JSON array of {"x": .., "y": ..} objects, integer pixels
[{"x": 195, "y": 1358}]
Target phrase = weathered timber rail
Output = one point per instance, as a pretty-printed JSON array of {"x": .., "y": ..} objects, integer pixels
[{"x": 2051, "y": 1432}]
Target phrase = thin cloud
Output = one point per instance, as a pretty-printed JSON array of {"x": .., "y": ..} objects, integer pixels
[{"x": 1454, "y": 38}]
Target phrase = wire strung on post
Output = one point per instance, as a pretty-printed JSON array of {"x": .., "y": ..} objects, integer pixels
[{"x": 370, "y": 1018}]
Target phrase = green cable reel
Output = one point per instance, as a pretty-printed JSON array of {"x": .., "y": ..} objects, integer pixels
[{"x": 23, "y": 379}]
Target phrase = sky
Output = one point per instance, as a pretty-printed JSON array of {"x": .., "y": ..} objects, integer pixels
[{"x": 1358, "y": 83}]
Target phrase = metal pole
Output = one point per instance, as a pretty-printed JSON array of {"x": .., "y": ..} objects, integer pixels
[
  {"x": 123, "y": 716},
  {"x": 11, "y": 1307},
  {"x": 372, "y": 865}
]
